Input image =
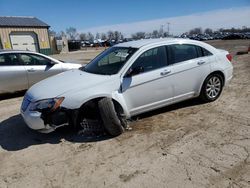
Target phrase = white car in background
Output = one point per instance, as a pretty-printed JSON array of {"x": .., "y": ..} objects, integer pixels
[
  {"x": 125, "y": 80},
  {"x": 19, "y": 70}
]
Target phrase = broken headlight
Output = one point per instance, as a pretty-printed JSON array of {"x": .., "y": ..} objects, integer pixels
[{"x": 46, "y": 104}]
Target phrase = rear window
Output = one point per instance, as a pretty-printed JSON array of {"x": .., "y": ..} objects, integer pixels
[{"x": 182, "y": 52}]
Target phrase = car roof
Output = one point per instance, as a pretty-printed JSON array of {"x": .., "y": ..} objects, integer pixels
[
  {"x": 17, "y": 51},
  {"x": 145, "y": 42}
]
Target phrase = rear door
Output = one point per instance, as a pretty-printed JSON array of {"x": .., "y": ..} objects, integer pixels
[
  {"x": 190, "y": 66},
  {"x": 39, "y": 67},
  {"x": 13, "y": 76}
]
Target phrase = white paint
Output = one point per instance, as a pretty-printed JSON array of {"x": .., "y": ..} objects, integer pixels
[{"x": 24, "y": 41}]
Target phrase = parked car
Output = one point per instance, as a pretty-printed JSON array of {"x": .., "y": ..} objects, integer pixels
[
  {"x": 19, "y": 70},
  {"x": 125, "y": 80}
]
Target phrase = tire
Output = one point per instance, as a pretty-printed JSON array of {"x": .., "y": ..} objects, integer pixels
[
  {"x": 111, "y": 121},
  {"x": 211, "y": 88}
]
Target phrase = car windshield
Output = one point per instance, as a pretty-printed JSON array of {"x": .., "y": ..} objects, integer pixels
[{"x": 110, "y": 61}]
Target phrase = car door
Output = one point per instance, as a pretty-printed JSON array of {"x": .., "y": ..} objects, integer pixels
[
  {"x": 150, "y": 87},
  {"x": 190, "y": 66},
  {"x": 39, "y": 67},
  {"x": 13, "y": 76}
]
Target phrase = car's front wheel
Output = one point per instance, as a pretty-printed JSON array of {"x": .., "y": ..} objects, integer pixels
[
  {"x": 111, "y": 121},
  {"x": 212, "y": 88}
]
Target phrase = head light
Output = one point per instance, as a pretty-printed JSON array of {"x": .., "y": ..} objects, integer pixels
[{"x": 47, "y": 104}]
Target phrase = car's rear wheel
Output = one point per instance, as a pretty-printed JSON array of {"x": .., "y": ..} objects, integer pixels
[
  {"x": 212, "y": 88},
  {"x": 111, "y": 121}
]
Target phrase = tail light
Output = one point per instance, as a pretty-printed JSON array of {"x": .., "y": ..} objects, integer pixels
[{"x": 229, "y": 57}]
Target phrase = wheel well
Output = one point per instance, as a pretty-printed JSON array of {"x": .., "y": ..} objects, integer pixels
[
  {"x": 221, "y": 74},
  {"x": 92, "y": 106}
]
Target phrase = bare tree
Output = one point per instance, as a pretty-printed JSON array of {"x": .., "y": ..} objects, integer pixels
[
  {"x": 83, "y": 36},
  {"x": 61, "y": 34},
  {"x": 208, "y": 31},
  {"x": 103, "y": 36},
  {"x": 155, "y": 34},
  {"x": 139, "y": 35},
  {"x": 72, "y": 33},
  {"x": 52, "y": 33},
  {"x": 121, "y": 36},
  {"x": 197, "y": 30},
  {"x": 97, "y": 36},
  {"x": 90, "y": 36},
  {"x": 111, "y": 35},
  {"x": 117, "y": 35}
]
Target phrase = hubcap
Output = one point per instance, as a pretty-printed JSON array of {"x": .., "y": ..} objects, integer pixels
[{"x": 213, "y": 87}]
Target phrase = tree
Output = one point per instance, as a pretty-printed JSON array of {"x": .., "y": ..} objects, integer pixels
[
  {"x": 155, "y": 34},
  {"x": 83, "y": 36},
  {"x": 139, "y": 35},
  {"x": 52, "y": 33},
  {"x": 195, "y": 31},
  {"x": 117, "y": 35},
  {"x": 97, "y": 36},
  {"x": 90, "y": 36},
  {"x": 121, "y": 36},
  {"x": 208, "y": 31},
  {"x": 72, "y": 33},
  {"x": 103, "y": 36},
  {"x": 111, "y": 35}
]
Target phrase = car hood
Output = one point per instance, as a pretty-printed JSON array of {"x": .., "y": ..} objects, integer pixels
[{"x": 73, "y": 81}]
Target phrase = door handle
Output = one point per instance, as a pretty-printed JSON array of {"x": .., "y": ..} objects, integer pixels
[
  {"x": 31, "y": 70},
  {"x": 165, "y": 72},
  {"x": 201, "y": 62}
]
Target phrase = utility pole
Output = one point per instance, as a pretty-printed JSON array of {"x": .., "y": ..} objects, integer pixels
[{"x": 168, "y": 28}]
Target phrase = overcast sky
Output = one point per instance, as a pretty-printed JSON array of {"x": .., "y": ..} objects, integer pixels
[{"x": 225, "y": 18}]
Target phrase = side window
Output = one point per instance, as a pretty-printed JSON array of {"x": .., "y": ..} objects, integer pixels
[
  {"x": 206, "y": 52},
  {"x": 181, "y": 52},
  {"x": 9, "y": 60},
  {"x": 30, "y": 59},
  {"x": 152, "y": 59}
]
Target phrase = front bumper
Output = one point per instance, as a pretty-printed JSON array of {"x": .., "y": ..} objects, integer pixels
[
  {"x": 34, "y": 121},
  {"x": 44, "y": 122}
]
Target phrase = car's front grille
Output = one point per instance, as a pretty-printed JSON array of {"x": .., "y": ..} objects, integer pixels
[{"x": 25, "y": 103}]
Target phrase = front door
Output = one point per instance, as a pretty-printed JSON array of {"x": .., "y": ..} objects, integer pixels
[
  {"x": 38, "y": 67},
  {"x": 152, "y": 87},
  {"x": 13, "y": 76}
]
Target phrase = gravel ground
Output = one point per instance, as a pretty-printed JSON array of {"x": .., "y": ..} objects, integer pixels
[
  {"x": 184, "y": 145},
  {"x": 80, "y": 57}
]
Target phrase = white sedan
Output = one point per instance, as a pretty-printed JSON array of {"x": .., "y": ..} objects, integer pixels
[
  {"x": 125, "y": 80},
  {"x": 19, "y": 70}
]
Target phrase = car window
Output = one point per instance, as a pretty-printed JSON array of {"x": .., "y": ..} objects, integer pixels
[
  {"x": 182, "y": 52},
  {"x": 30, "y": 59},
  {"x": 9, "y": 59},
  {"x": 206, "y": 52},
  {"x": 110, "y": 61},
  {"x": 152, "y": 59}
]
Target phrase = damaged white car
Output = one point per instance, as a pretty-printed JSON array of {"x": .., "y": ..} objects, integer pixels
[{"x": 125, "y": 80}]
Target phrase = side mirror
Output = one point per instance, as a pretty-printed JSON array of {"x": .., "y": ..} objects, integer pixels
[{"x": 134, "y": 71}]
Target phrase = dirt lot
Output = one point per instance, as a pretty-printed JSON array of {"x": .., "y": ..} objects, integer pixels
[
  {"x": 184, "y": 145},
  {"x": 81, "y": 56}
]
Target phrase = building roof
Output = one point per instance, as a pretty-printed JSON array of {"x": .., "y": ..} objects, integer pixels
[{"x": 20, "y": 21}]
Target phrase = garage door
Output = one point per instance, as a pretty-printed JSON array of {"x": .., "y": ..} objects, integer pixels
[{"x": 24, "y": 41}]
